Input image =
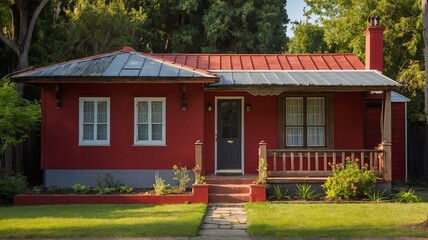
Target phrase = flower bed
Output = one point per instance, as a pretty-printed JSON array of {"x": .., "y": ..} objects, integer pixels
[{"x": 199, "y": 195}]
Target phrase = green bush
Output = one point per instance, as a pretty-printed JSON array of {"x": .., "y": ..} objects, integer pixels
[
  {"x": 12, "y": 184},
  {"x": 161, "y": 188},
  {"x": 406, "y": 196},
  {"x": 349, "y": 181},
  {"x": 182, "y": 176},
  {"x": 78, "y": 188}
]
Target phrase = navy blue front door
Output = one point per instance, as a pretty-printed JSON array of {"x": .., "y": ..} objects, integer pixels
[{"x": 229, "y": 132}]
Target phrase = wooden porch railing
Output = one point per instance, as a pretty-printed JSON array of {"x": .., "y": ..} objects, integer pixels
[{"x": 317, "y": 163}]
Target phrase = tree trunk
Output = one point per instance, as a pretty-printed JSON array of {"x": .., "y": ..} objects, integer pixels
[{"x": 424, "y": 5}]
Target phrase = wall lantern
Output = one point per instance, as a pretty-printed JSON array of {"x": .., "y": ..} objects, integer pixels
[
  {"x": 248, "y": 107},
  {"x": 210, "y": 107}
]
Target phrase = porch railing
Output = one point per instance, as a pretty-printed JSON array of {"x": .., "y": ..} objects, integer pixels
[{"x": 318, "y": 163}]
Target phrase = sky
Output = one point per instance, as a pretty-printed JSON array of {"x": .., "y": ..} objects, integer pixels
[{"x": 295, "y": 12}]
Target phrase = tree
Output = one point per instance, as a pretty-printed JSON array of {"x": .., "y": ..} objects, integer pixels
[
  {"x": 17, "y": 116},
  {"x": 344, "y": 22},
  {"x": 249, "y": 27},
  {"x": 308, "y": 38},
  {"x": 17, "y": 36},
  {"x": 424, "y": 6}
]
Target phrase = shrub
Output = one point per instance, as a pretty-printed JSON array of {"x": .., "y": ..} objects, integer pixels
[
  {"x": 278, "y": 192},
  {"x": 407, "y": 196},
  {"x": 199, "y": 179},
  {"x": 36, "y": 190},
  {"x": 349, "y": 181},
  {"x": 182, "y": 176},
  {"x": 125, "y": 189},
  {"x": 78, "y": 188},
  {"x": 161, "y": 188},
  {"x": 304, "y": 192},
  {"x": 12, "y": 184}
]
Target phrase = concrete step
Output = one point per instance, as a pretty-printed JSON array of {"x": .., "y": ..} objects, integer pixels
[
  {"x": 229, "y": 180},
  {"x": 229, "y": 198},
  {"x": 229, "y": 188}
]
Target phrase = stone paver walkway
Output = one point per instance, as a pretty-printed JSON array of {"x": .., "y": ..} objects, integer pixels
[{"x": 224, "y": 220}]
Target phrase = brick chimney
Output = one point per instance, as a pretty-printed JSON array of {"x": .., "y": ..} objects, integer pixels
[{"x": 374, "y": 44}]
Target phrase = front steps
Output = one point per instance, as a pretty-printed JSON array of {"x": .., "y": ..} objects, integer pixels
[{"x": 230, "y": 189}]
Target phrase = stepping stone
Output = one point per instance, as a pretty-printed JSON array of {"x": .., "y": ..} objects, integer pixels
[{"x": 209, "y": 226}]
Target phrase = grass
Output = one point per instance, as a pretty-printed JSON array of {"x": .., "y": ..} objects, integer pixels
[
  {"x": 336, "y": 220},
  {"x": 90, "y": 221}
]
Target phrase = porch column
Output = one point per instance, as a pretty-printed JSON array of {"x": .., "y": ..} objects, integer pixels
[
  {"x": 198, "y": 155},
  {"x": 386, "y": 136},
  {"x": 262, "y": 151}
]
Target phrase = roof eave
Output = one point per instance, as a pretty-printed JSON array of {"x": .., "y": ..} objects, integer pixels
[
  {"x": 294, "y": 88},
  {"x": 103, "y": 79}
]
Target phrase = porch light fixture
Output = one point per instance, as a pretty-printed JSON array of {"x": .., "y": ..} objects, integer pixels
[
  {"x": 210, "y": 107},
  {"x": 248, "y": 107}
]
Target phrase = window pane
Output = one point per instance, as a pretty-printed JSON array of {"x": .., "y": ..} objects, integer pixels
[
  {"x": 102, "y": 112},
  {"x": 88, "y": 131},
  {"x": 294, "y": 111},
  {"x": 143, "y": 132},
  {"x": 316, "y": 136},
  {"x": 102, "y": 132},
  {"x": 143, "y": 112},
  {"x": 315, "y": 111},
  {"x": 156, "y": 112},
  {"x": 88, "y": 111},
  {"x": 294, "y": 136},
  {"x": 156, "y": 132}
]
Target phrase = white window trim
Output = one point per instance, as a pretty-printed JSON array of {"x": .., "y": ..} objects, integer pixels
[
  {"x": 150, "y": 142},
  {"x": 93, "y": 142}
]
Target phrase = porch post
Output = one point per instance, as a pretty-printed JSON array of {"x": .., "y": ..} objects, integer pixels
[
  {"x": 386, "y": 137},
  {"x": 262, "y": 151},
  {"x": 198, "y": 154}
]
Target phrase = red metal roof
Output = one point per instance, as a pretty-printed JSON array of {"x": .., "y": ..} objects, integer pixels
[{"x": 331, "y": 61}]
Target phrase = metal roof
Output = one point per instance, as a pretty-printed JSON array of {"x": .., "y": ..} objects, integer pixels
[
  {"x": 396, "y": 97},
  {"x": 117, "y": 65},
  {"x": 367, "y": 79},
  {"x": 329, "y": 61}
]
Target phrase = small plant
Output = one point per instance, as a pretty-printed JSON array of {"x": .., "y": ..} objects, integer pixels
[
  {"x": 182, "y": 176},
  {"x": 161, "y": 188},
  {"x": 304, "y": 192},
  {"x": 52, "y": 189},
  {"x": 125, "y": 189},
  {"x": 11, "y": 185},
  {"x": 349, "y": 181},
  {"x": 278, "y": 192},
  {"x": 376, "y": 195},
  {"x": 79, "y": 188},
  {"x": 199, "y": 179},
  {"x": 36, "y": 190},
  {"x": 262, "y": 170},
  {"x": 407, "y": 196}
]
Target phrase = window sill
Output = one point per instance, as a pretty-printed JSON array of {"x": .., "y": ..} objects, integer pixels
[
  {"x": 148, "y": 145},
  {"x": 93, "y": 145}
]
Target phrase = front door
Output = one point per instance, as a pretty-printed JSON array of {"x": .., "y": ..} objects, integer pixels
[{"x": 229, "y": 135}]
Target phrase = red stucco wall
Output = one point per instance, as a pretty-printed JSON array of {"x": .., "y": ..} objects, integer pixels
[
  {"x": 348, "y": 120},
  {"x": 260, "y": 124},
  {"x": 60, "y": 148}
]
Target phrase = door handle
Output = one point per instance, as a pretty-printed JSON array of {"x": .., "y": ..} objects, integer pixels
[{"x": 230, "y": 141}]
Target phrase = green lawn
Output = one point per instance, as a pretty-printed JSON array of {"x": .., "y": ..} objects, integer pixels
[
  {"x": 101, "y": 221},
  {"x": 336, "y": 220}
]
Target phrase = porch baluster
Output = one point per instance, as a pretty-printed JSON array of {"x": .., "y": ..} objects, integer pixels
[
  {"x": 301, "y": 161},
  {"x": 284, "y": 158},
  {"x": 325, "y": 161},
  {"x": 309, "y": 161},
  {"x": 316, "y": 162}
]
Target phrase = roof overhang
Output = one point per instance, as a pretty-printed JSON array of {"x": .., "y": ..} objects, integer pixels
[
  {"x": 305, "y": 80},
  {"x": 100, "y": 79}
]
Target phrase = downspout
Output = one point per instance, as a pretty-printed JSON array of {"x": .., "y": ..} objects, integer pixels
[{"x": 405, "y": 140}]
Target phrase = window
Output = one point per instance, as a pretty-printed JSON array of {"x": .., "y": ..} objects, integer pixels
[
  {"x": 94, "y": 121},
  {"x": 149, "y": 121},
  {"x": 305, "y": 122}
]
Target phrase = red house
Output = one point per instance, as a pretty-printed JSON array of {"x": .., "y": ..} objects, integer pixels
[{"x": 129, "y": 114}]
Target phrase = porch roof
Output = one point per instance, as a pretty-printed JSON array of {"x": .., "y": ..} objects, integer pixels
[
  {"x": 125, "y": 65},
  {"x": 366, "y": 80}
]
